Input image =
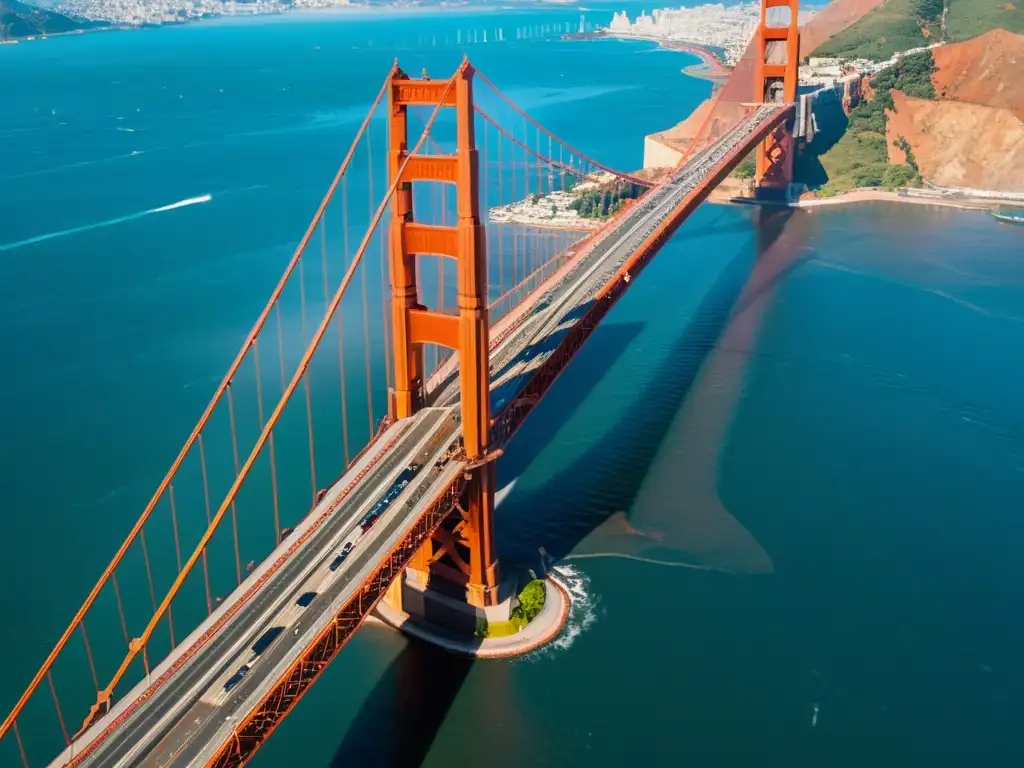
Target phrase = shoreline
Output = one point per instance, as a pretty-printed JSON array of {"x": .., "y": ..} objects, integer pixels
[
  {"x": 712, "y": 67},
  {"x": 879, "y": 195},
  {"x": 358, "y": 9}
]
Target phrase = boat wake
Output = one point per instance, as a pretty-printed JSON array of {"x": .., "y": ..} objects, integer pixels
[
  {"x": 108, "y": 223},
  {"x": 582, "y": 610}
]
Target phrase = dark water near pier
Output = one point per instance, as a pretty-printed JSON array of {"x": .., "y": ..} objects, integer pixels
[{"x": 785, "y": 476}]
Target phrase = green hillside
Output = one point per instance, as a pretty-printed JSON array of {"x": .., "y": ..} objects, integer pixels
[
  {"x": 856, "y": 156},
  {"x": 18, "y": 19},
  {"x": 899, "y": 25}
]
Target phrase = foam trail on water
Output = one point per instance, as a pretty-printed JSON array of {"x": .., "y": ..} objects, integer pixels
[
  {"x": 582, "y": 609},
  {"x": 107, "y": 223},
  {"x": 182, "y": 204}
]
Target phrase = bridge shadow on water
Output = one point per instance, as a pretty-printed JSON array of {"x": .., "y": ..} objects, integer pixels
[
  {"x": 398, "y": 722},
  {"x": 580, "y": 498},
  {"x": 403, "y": 714}
]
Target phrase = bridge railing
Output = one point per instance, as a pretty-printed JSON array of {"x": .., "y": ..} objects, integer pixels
[
  {"x": 178, "y": 565},
  {"x": 260, "y": 458}
]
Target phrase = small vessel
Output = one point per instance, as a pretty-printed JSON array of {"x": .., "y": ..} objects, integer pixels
[{"x": 1012, "y": 216}]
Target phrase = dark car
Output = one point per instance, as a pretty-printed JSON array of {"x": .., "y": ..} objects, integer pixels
[{"x": 236, "y": 678}]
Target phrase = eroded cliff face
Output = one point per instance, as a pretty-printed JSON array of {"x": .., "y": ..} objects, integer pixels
[
  {"x": 988, "y": 69},
  {"x": 958, "y": 144}
]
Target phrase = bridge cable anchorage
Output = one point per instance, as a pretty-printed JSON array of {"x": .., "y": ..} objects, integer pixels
[
  {"x": 107, "y": 574},
  {"x": 568, "y": 146},
  {"x": 300, "y": 372}
]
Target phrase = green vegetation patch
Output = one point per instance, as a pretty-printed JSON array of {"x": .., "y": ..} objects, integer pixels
[
  {"x": 860, "y": 158},
  {"x": 531, "y": 601},
  {"x": 606, "y": 200},
  {"x": 890, "y": 28},
  {"x": 746, "y": 168},
  {"x": 899, "y": 25},
  {"x": 970, "y": 18}
]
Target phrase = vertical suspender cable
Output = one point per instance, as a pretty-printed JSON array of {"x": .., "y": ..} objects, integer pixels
[
  {"x": 234, "y": 455},
  {"x": 206, "y": 499},
  {"x": 485, "y": 205},
  {"x": 341, "y": 324},
  {"x": 182, "y": 455},
  {"x": 174, "y": 522},
  {"x": 515, "y": 228},
  {"x": 305, "y": 384},
  {"x": 149, "y": 572},
  {"x": 88, "y": 653},
  {"x": 273, "y": 453},
  {"x": 177, "y": 554},
  {"x": 120, "y": 609},
  {"x": 362, "y": 277},
  {"x": 300, "y": 372},
  {"x": 21, "y": 745},
  {"x": 526, "y": 187},
  {"x": 56, "y": 704},
  {"x": 501, "y": 237}
]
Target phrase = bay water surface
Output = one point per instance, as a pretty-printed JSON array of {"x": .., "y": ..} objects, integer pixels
[{"x": 785, "y": 479}]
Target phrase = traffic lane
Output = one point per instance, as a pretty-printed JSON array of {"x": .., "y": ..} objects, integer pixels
[
  {"x": 138, "y": 697},
  {"x": 526, "y": 356},
  {"x": 653, "y": 209},
  {"x": 513, "y": 343},
  {"x": 174, "y": 692},
  {"x": 190, "y": 725},
  {"x": 202, "y": 744}
]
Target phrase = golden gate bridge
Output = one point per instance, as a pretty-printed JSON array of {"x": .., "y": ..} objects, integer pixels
[{"x": 410, "y": 336}]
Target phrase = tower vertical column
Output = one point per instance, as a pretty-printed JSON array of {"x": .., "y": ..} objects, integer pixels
[
  {"x": 474, "y": 373},
  {"x": 475, "y": 564},
  {"x": 407, "y": 355},
  {"x": 776, "y": 79}
]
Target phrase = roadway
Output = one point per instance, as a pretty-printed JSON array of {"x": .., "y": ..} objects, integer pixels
[
  {"x": 552, "y": 314},
  {"x": 424, "y": 441},
  {"x": 186, "y": 718}
]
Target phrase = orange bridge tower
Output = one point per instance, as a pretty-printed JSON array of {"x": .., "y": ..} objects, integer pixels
[
  {"x": 462, "y": 550},
  {"x": 775, "y": 79}
]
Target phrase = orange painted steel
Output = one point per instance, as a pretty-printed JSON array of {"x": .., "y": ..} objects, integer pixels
[
  {"x": 229, "y": 499},
  {"x": 555, "y": 163},
  {"x": 232, "y": 609},
  {"x": 565, "y": 144},
  {"x": 193, "y": 437},
  {"x": 414, "y": 325},
  {"x": 774, "y": 155},
  {"x": 256, "y": 727},
  {"x": 467, "y": 333},
  {"x": 512, "y": 415}
]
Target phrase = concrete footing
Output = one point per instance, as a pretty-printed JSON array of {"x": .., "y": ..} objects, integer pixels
[{"x": 431, "y": 615}]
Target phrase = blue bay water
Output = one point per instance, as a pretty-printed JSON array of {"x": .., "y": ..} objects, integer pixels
[{"x": 785, "y": 474}]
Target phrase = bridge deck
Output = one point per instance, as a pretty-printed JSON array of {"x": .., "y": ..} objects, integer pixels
[{"x": 184, "y": 714}]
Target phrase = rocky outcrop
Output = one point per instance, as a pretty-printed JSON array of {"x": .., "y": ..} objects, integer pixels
[
  {"x": 988, "y": 69},
  {"x": 957, "y": 144}
]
